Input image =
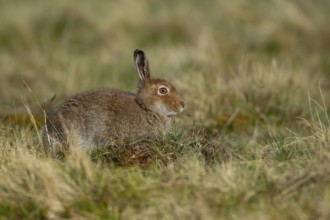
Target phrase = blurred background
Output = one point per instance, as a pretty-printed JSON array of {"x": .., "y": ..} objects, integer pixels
[{"x": 257, "y": 59}]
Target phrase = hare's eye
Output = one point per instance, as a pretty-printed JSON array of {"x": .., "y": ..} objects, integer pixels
[{"x": 162, "y": 90}]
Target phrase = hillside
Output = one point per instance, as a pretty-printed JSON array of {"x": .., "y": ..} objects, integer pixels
[{"x": 252, "y": 143}]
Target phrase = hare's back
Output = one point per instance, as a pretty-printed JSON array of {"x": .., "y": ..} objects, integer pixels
[
  {"x": 95, "y": 102},
  {"x": 90, "y": 114}
]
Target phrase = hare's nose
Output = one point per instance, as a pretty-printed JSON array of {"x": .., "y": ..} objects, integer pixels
[{"x": 182, "y": 103}]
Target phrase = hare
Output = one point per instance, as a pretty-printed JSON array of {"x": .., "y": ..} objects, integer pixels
[{"x": 100, "y": 116}]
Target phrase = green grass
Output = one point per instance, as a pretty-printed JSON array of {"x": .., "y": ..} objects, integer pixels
[{"x": 253, "y": 142}]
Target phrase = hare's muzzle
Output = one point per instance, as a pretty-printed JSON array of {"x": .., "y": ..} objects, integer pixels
[
  {"x": 182, "y": 104},
  {"x": 176, "y": 110}
]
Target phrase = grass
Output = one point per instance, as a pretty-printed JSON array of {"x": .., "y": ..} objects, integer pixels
[{"x": 253, "y": 142}]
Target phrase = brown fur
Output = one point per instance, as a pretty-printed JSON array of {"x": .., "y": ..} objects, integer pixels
[{"x": 100, "y": 116}]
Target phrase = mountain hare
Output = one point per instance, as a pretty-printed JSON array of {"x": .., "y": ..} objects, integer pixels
[{"x": 99, "y": 116}]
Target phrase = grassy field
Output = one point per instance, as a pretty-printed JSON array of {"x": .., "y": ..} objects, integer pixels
[{"x": 253, "y": 142}]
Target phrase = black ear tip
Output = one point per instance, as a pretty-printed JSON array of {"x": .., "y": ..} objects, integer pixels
[{"x": 138, "y": 52}]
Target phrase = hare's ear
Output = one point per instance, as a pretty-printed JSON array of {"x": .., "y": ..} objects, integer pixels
[{"x": 141, "y": 65}]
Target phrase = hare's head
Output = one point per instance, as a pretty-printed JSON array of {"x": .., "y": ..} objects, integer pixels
[{"x": 155, "y": 94}]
